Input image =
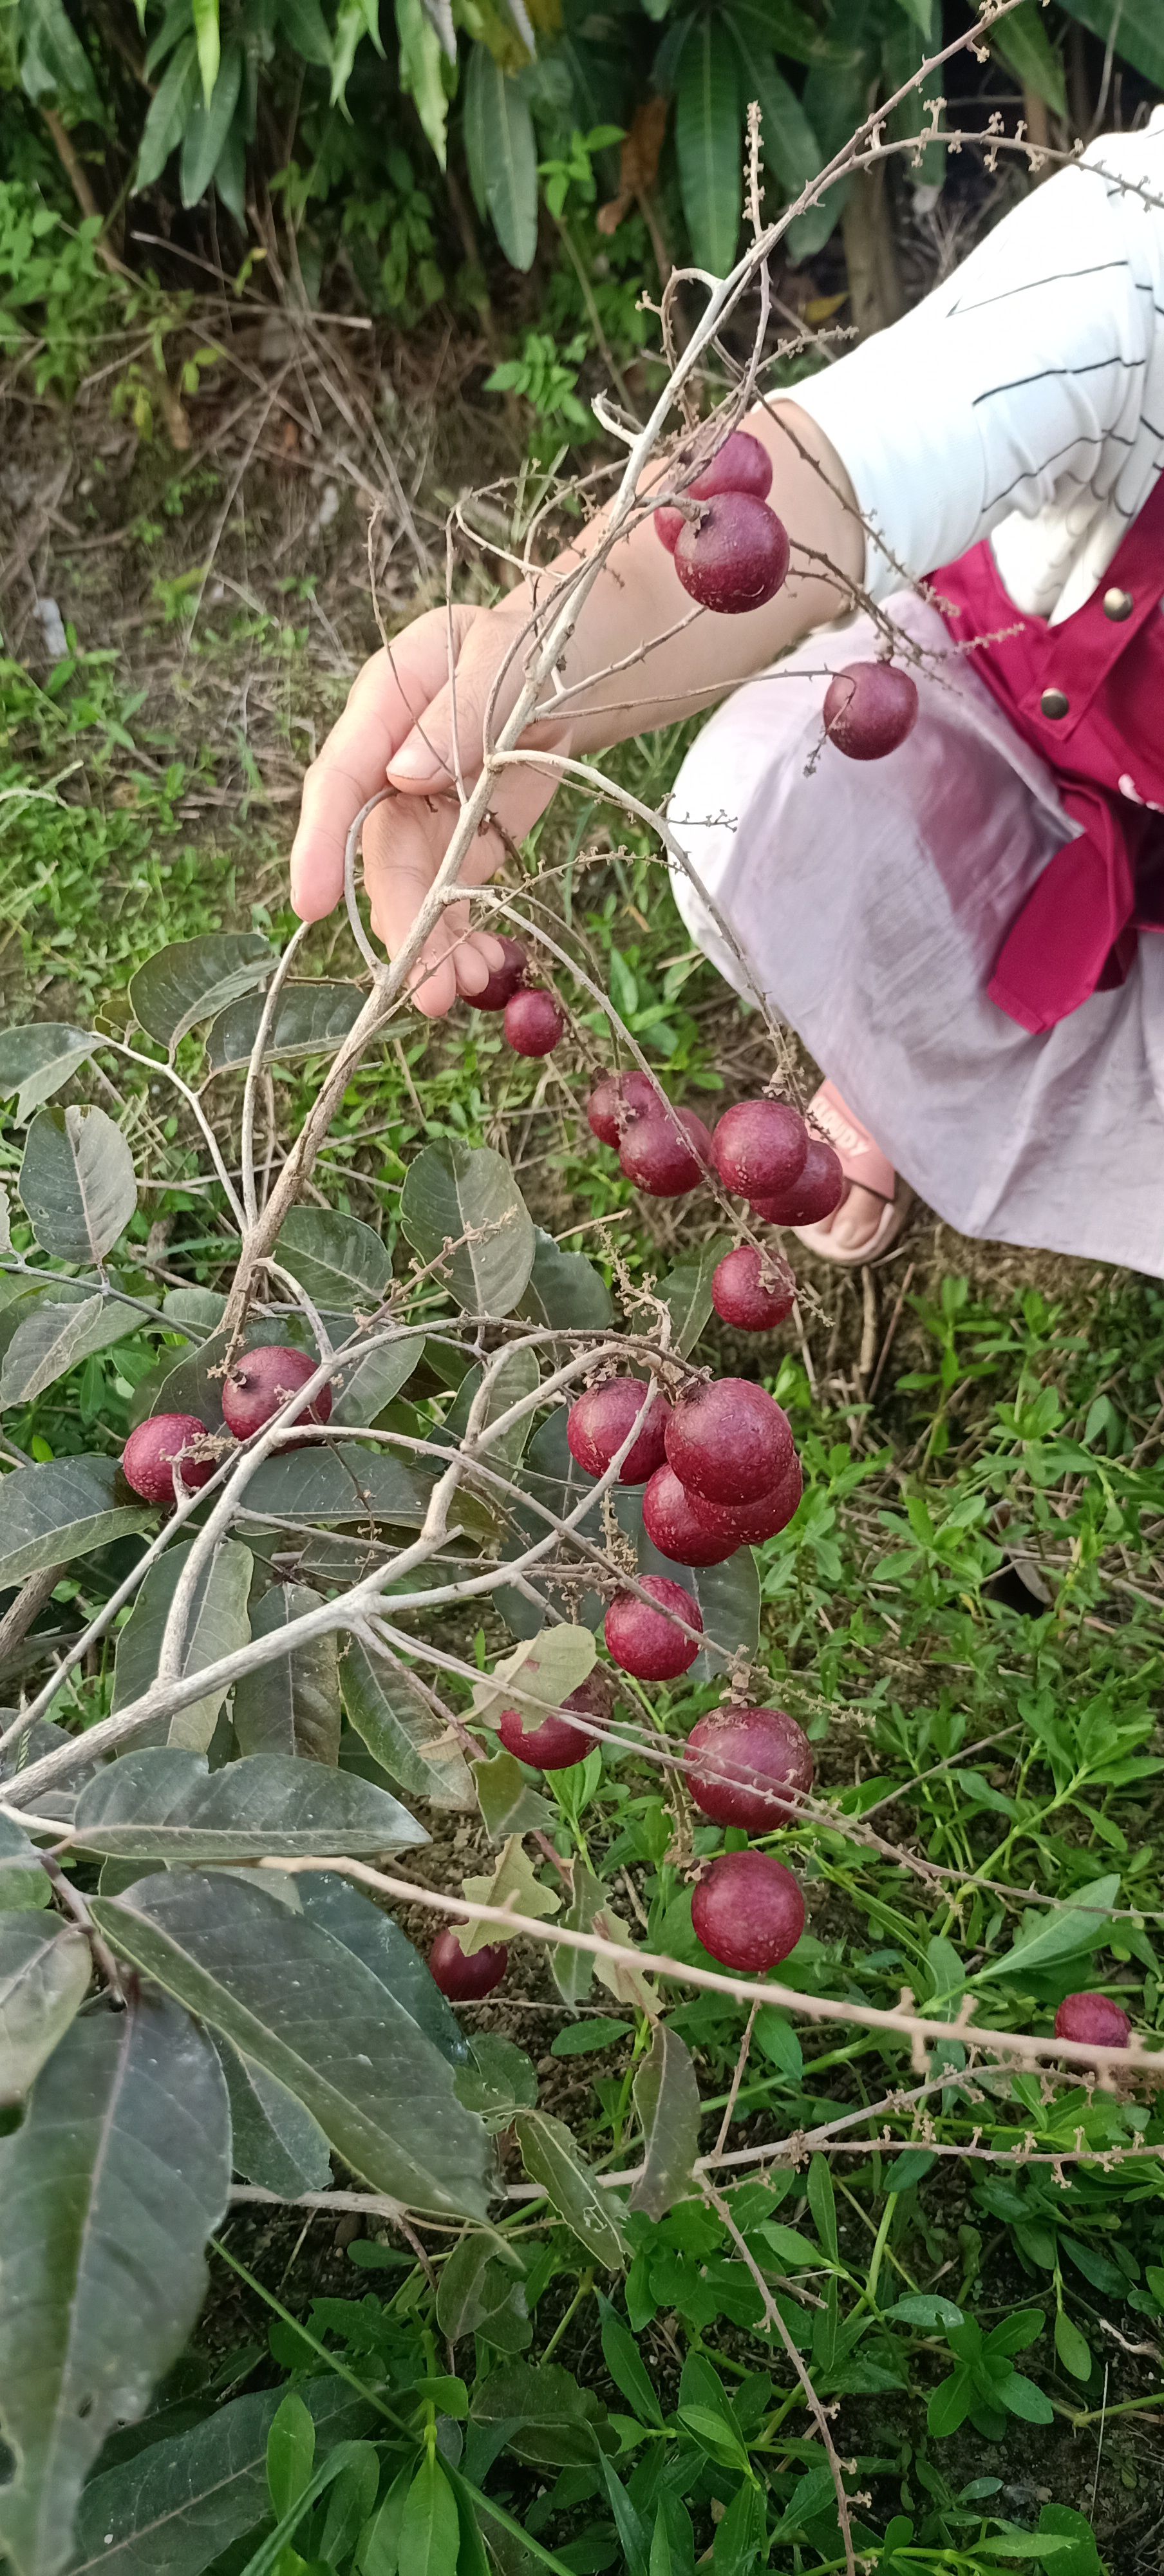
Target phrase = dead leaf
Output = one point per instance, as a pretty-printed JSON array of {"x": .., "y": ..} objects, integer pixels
[{"x": 639, "y": 162}]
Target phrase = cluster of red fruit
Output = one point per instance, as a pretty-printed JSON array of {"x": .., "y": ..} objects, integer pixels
[
  {"x": 721, "y": 1473},
  {"x": 257, "y": 1385},
  {"x": 747, "y": 1767},
  {"x": 762, "y": 1152},
  {"x": 533, "y": 1022},
  {"x": 731, "y": 554},
  {"x": 731, "y": 551}
]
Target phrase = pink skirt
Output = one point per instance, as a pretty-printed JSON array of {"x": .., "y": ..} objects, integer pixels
[{"x": 871, "y": 898}]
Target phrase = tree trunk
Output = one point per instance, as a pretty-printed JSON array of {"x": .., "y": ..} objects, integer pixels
[{"x": 875, "y": 293}]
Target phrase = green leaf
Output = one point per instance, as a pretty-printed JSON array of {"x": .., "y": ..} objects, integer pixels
[
  {"x": 37, "y": 1060},
  {"x": 509, "y": 1806},
  {"x": 300, "y": 2002},
  {"x": 23, "y": 1882},
  {"x": 339, "y": 1261},
  {"x": 573, "y": 1970},
  {"x": 380, "y": 2548},
  {"x": 290, "y": 2454},
  {"x": 708, "y": 146},
  {"x": 178, "y": 2505},
  {"x": 54, "y": 63},
  {"x": 777, "y": 2037},
  {"x": 453, "y": 1190},
  {"x": 518, "y": 1376},
  {"x": 366, "y": 1386},
  {"x": 498, "y": 2080},
  {"x": 627, "y": 2369},
  {"x": 408, "y": 1739},
  {"x": 171, "y": 104},
  {"x": 550, "y": 2157},
  {"x": 822, "y": 2203},
  {"x": 430, "y": 2531},
  {"x": 552, "y": 2418},
  {"x": 666, "y": 2098},
  {"x": 503, "y": 172},
  {"x": 310, "y": 1019},
  {"x": 1026, "y": 49},
  {"x": 209, "y": 123},
  {"x": 207, "y": 39},
  {"x": 55, "y": 1336},
  {"x": 196, "y": 978},
  {"x": 1132, "y": 25},
  {"x": 538, "y": 1676},
  {"x": 422, "y": 72},
  {"x": 787, "y": 142},
  {"x": 292, "y": 1705},
  {"x": 950, "y": 2404},
  {"x": 76, "y": 1183},
  {"x": 166, "y": 1805},
  {"x": 60, "y": 1511},
  {"x": 44, "y": 1979},
  {"x": 107, "y": 2194},
  {"x": 1073, "y": 2349},
  {"x": 512, "y": 1883},
  {"x": 275, "y": 2141},
  {"x": 686, "y": 1291},
  {"x": 1055, "y": 1933},
  {"x": 304, "y": 25},
  {"x": 476, "y": 2284},
  {"x": 738, "y": 2542},
  {"x": 315, "y": 1484},
  {"x": 362, "y": 1927},
  {"x": 565, "y": 1289},
  {"x": 584, "y": 2038},
  {"x": 1021, "y": 2397},
  {"x": 925, "y": 2309},
  {"x": 349, "y": 2505},
  {"x": 218, "y": 1625}
]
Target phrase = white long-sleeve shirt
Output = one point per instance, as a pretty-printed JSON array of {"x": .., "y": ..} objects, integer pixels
[{"x": 1024, "y": 398}]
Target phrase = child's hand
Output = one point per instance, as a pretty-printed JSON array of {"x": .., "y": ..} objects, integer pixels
[{"x": 398, "y": 729}]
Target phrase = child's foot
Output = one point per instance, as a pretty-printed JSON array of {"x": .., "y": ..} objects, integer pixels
[{"x": 876, "y": 1203}]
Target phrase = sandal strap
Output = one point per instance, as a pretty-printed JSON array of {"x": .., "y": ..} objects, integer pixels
[{"x": 861, "y": 1158}]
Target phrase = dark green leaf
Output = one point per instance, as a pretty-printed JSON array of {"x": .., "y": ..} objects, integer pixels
[
  {"x": 686, "y": 1291},
  {"x": 107, "y": 2194},
  {"x": 666, "y": 2096},
  {"x": 708, "y": 146},
  {"x": 518, "y": 1376},
  {"x": 573, "y": 1970},
  {"x": 44, "y": 1979},
  {"x": 363, "y": 1928},
  {"x": 950, "y": 2404},
  {"x": 54, "y": 1335},
  {"x": 408, "y": 1739},
  {"x": 317, "y": 1484},
  {"x": 565, "y": 1289},
  {"x": 164, "y": 1804},
  {"x": 454, "y": 1190},
  {"x": 787, "y": 142},
  {"x": 1133, "y": 26},
  {"x": 583, "y": 2038},
  {"x": 218, "y": 1625},
  {"x": 310, "y": 1019},
  {"x": 178, "y": 2505},
  {"x": 207, "y": 127},
  {"x": 23, "y": 1883},
  {"x": 299, "y": 2002},
  {"x": 196, "y": 978},
  {"x": 39, "y": 1059},
  {"x": 1021, "y": 2397},
  {"x": 171, "y": 104},
  {"x": 364, "y": 1387},
  {"x": 1025, "y": 47},
  {"x": 430, "y": 2531},
  {"x": 349, "y": 2505},
  {"x": 338, "y": 1260},
  {"x": 76, "y": 1183},
  {"x": 550, "y": 2157},
  {"x": 822, "y": 2203},
  {"x": 553, "y": 2417},
  {"x": 290, "y": 2454},
  {"x": 502, "y": 157},
  {"x": 498, "y": 2080},
  {"x": 626, "y": 2366},
  {"x": 293, "y": 1705},
  {"x": 510, "y": 1806},
  {"x": 1056, "y": 1932},
  {"x": 275, "y": 2141},
  {"x": 60, "y": 1511},
  {"x": 476, "y": 2284},
  {"x": 305, "y": 27}
]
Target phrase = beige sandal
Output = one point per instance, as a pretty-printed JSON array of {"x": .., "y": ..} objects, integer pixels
[{"x": 863, "y": 1164}]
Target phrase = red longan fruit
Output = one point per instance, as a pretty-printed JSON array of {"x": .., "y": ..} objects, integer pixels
[
  {"x": 728, "y": 1442},
  {"x": 597, "y": 1425},
  {"x": 258, "y": 1386},
  {"x": 646, "y": 1640},
  {"x": 740, "y": 1764},
  {"x": 152, "y": 1451},
  {"x": 464, "y": 1980},
  {"x": 869, "y": 709},
  {"x": 748, "y": 1911}
]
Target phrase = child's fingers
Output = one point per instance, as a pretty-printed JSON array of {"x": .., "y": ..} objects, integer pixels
[{"x": 392, "y": 690}]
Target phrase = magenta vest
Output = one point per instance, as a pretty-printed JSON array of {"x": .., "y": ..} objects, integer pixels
[{"x": 1089, "y": 696}]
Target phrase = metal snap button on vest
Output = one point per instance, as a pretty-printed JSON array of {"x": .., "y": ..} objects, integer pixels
[
  {"x": 1054, "y": 703},
  {"x": 1118, "y": 604}
]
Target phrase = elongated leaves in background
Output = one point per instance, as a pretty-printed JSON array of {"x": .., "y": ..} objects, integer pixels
[
  {"x": 77, "y": 1184},
  {"x": 502, "y": 157}
]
